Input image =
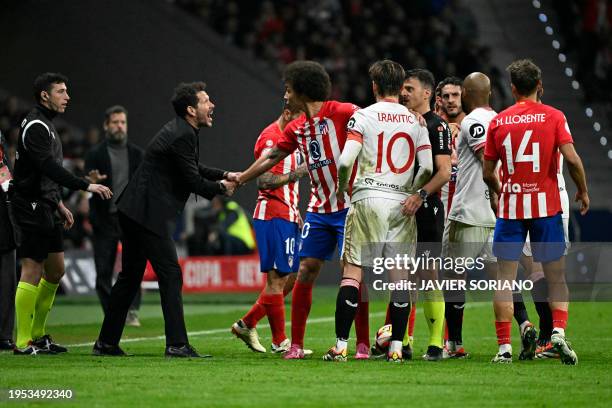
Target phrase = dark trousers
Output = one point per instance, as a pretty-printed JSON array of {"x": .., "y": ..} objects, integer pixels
[
  {"x": 105, "y": 240},
  {"x": 140, "y": 245},
  {"x": 8, "y": 285}
]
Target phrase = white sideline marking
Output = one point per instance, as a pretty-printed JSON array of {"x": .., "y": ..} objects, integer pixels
[{"x": 227, "y": 329}]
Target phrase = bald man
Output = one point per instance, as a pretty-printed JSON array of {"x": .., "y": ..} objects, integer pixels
[{"x": 471, "y": 221}]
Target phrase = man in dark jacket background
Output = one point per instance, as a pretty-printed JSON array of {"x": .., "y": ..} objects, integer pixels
[
  {"x": 148, "y": 208},
  {"x": 112, "y": 163}
]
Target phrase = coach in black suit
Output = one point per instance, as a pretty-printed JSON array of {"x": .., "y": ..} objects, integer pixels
[
  {"x": 112, "y": 163},
  {"x": 148, "y": 208}
]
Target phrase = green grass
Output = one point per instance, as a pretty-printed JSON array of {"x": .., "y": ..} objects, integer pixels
[{"x": 238, "y": 377}]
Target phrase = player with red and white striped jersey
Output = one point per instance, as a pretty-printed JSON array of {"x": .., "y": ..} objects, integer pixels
[
  {"x": 277, "y": 230},
  {"x": 386, "y": 139},
  {"x": 525, "y": 138},
  {"x": 319, "y": 134}
]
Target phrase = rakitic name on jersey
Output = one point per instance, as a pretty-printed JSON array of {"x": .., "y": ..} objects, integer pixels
[
  {"x": 395, "y": 117},
  {"x": 527, "y": 118}
]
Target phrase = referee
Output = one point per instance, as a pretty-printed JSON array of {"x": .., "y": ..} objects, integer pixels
[
  {"x": 35, "y": 194},
  {"x": 416, "y": 95}
]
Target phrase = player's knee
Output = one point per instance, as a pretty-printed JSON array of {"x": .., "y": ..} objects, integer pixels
[{"x": 309, "y": 270}]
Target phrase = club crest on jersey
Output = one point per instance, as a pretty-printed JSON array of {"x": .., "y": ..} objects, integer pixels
[
  {"x": 290, "y": 261},
  {"x": 315, "y": 149},
  {"x": 323, "y": 127}
]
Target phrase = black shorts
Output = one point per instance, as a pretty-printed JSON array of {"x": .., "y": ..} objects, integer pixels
[
  {"x": 430, "y": 226},
  {"x": 39, "y": 230}
]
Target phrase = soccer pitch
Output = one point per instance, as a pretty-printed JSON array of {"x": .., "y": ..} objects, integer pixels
[{"x": 238, "y": 377}]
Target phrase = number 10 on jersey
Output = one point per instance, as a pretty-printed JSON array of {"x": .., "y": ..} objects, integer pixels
[{"x": 388, "y": 156}]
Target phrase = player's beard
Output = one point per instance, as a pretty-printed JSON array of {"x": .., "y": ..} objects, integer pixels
[{"x": 116, "y": 138}]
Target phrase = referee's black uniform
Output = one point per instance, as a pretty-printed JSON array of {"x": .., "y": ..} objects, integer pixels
[
  {"x": 430, "y": 217},
  {"x": 36, "y": 187}
]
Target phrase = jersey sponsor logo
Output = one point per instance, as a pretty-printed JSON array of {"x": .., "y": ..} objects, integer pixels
[
  {"x": 477, "y": 131},
  {"x": 510, "y": 187},
  {"x": 379, "y": 184},
  {"x": 315, "y": 150},
  {"x": 320, "y": 164}
]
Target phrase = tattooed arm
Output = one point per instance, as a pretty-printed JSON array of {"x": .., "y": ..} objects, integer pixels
[{"x": 270, "y": 181}]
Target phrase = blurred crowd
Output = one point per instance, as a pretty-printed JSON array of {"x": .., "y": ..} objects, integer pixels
[
  {"x": 586, "y": 27},
  {"x": 346, "y": 36}
]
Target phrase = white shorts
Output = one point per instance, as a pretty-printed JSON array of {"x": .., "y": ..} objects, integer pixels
[
  {"x": 377, "y": 225},
  {"x": 527, "y": 247},
  {"x": 468, "y": 241}
]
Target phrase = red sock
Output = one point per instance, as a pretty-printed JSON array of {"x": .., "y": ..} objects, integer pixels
[
  {"x": 503, "y": 332},
  {"x": 256, "y": 313},
  {"x": 445, "y": 332},
  {"x": 362, "y": 318},
  {"x": 411, "y": 319},
  {"x": 274, "y": 305},
  {"x": 300, "y": 308},
  {"x": 559, "y": 318},
  {"x": 388, "y": 316}
]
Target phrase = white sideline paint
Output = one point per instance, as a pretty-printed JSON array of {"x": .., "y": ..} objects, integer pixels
[{"x": 227, "y": 329}]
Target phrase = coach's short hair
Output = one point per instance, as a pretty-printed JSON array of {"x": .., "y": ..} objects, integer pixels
[
  {"x": 186, "y": 94},
  {"x": 451, "y": 80},
  {"x": 425, "y": 77},
  {"x": 308, "y": 78},
  {"x": 113, "y": 110},
  {"x": 524, "y": 75},
  {"x": 388, "y": 76},
  {"x": 44, "y": 82}
]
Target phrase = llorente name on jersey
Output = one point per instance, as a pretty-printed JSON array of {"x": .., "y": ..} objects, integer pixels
[{"x": 515, "y": 119}]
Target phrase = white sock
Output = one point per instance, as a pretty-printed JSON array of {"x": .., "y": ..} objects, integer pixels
[
  {"x": 505, "y": 348},
  {"x": 524, "y": 326},
  {"x": 396, "y": 346},
  {"x": 341, "y": 344},
  {"x": 559, "y": 330}
]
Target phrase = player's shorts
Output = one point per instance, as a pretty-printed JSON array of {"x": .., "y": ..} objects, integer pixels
[
  {"x": 430, "y": 226},
  {"x": 547, "y": 238},
  {"x": 321, "y": 234},
  {"x": 39, "y": 229},
  {"x": 467, "y": 241},
  {"x": 527, "y": 247},
  {"x": 377, "y": 226},
  {"x": 276, "y": 242}
]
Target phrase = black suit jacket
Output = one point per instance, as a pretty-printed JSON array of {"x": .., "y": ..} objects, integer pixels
[
  {"x": 169, "y": 173},
  {"x": 98, "y": 159}
]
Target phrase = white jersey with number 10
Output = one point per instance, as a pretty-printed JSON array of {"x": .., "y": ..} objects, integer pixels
[{"x": 391, "y": 138}]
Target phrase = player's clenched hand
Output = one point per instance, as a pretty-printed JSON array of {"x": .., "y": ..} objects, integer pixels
[
  {"x": 584, "y": 200},
  {"x": 454, "y": 128},
  {"x": 340, "y": 196},
  {"x": 233, "y": 176},
  {"x": 230, "y": 187},
  {"x": 95, "y": 177},
  {"x": 411, "y": 205},
  {"x": 101, "y": 190}
]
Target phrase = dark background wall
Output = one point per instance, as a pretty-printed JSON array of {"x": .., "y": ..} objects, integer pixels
[{"x": 134, "y": 53}]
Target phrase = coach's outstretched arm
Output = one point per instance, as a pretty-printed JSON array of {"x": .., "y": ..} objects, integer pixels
[
  {"x": 576, "y": 170},
  {"x": 263, "y": 164}
]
